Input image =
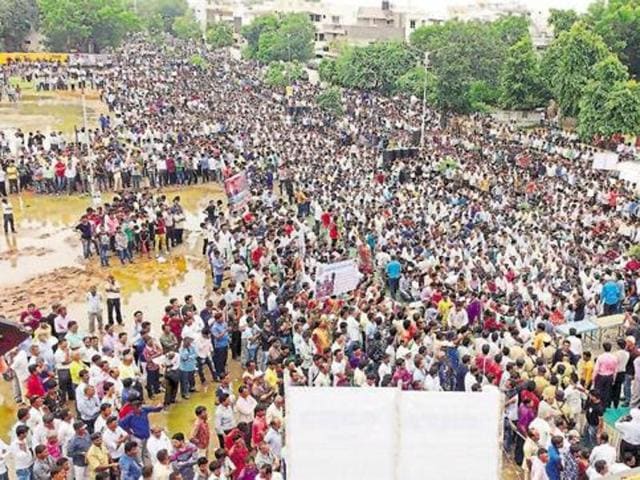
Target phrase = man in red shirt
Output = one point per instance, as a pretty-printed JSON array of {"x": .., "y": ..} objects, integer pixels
[
  {"x": 33, "y": 385},
  {"x": 201, "y": 432},
  {"x": 31, "y": 316}
]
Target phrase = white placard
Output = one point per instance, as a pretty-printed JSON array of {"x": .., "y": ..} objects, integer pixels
[
  {"x": 388, "y": 434},
  {"x": 605, "y": 161},
  {"x": 340, "y": 433},
  {"x": 337, "y": 278},
  {"x": 437, "y": 427}
]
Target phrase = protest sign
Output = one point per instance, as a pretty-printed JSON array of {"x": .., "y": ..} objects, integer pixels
[
  {"x": 336, "y": 278},
  {"x": 237, "y": 190},
  {"x": 605, "y": 160}
]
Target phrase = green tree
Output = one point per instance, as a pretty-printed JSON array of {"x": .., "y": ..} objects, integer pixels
[
  {"x": 464, "y": 54},
  {"x": 414, "y": 81},
  {"x": 520, "y": 83},
  {"x": 91, "y": 25},
  {"x": 511, "y": 28},
  {"x": 610, "y": 102},
  {"x": 220, "y": 35},
  {"x": 159, "y": 15},
  {"x": 17, "y": 19},
  {"x": 327, "y": 70},
  {"x": 562, "y": 20},
  {"x": 579, "y": 49},
  {"x": 292, "y": 40},
  {"x": 330, "y": 101},
  {"x": 281, "y": 74},
  {"x": 252, "y": 32},
  {"x": 374, "y": 67},
  {"x": 187, "y": 27},
  {"x": 618, "y": 23}
]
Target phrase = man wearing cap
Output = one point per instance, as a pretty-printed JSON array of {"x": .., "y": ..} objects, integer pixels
[
  {"x": 77, "y": 449},
  {"x": 98, "y": 456}
]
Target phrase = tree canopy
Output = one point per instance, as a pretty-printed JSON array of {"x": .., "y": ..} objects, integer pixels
[
  {"x": 90, "y": 25},
  {"x": 219, "y": 35},
  {"x": 520, "y": 81},
  {"x": 272, "y": 38},
  {"x": 17, "y": 19}
]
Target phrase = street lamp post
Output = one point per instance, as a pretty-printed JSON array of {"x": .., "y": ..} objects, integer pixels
[
  {"x": 92, "y": 189},
  {"x": 424, "y": 100}
]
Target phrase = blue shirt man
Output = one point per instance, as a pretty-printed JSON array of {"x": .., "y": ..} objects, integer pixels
[
  {"x": 610, "y": 293},
  {"x": 188, "y": 358},
  {"x": 554, "y": 465},
  {"x": 394, "y": 269},
  {"x": 136, "y": 423},
  {"x": 130, "y": 469},
  {"x": 220, "y": 333}
]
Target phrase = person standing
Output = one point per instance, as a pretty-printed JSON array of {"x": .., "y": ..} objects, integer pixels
[
  {"x": 187, "y": 367},
  {"x": 130, "y": 466},
  {"x": 88, "y": 407},
  {"x": 7, "y": 215},
  {"x": 113, "y": 300},
  {"x": 201, "y": 432},
  {"x": 21, "y": 453},
  {"x": 394, "y": 271},
  {"x": 136, "y": 424},
  {"x": 98, "y": 457},
  {"x": 220, "y": 333},
  {"x": 94, "y": 309},
  {"x": 43, "y": 464},
  {"x": 604, "y": 373},
  {"x": 77, "y": 449}
]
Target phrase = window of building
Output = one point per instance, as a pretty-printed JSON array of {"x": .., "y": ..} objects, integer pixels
[
  {"x": 335, "y": 19},
  {"x": 412, "y": 24}
]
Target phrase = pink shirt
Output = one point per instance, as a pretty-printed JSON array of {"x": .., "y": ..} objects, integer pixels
[{"x": 606, "y": 364}]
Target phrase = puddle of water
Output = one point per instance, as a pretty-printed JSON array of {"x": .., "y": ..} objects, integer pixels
[{"x": 45, "y": 233}]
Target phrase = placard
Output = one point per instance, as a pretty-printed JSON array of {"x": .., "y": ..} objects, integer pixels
[
  {"x": 605, "y": 160},
  {"x": 390, "y": 434},
  {"x": 336, "y": 278},
  {"x": 237, "y": 190}
]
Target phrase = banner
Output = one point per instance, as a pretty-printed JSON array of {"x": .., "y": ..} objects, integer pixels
[
  {"x": 605, "y": 160},
  {"x": 11, "y": 57},
  {"x": 237, "y": 189},
  {"x": 90, "y": 59},
  {"x": 336, "y": 278}
]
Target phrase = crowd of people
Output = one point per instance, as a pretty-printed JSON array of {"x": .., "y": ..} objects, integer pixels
[{"x": 472, "y": 251}]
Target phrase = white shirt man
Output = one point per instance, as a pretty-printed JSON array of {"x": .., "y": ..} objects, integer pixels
[
  {"x": 158, "y": 441},
  {"x": 113, "y": 437},
  {"x": 604, "y": 452}
]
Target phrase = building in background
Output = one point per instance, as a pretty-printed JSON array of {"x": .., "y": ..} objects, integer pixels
[{"x": 338, "y": 21}]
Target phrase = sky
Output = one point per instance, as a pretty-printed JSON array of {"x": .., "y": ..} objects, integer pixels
[{"x": 580, "y": 5}]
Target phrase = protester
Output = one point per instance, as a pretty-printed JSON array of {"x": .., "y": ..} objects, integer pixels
[{"x": 462, "y": 274}]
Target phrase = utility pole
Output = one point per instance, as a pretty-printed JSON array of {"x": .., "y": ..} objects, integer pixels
[
  {"x": 424, "y": 100},
  {"x": 289, "y": 54},
  {"x": 92, "y": 189}
]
